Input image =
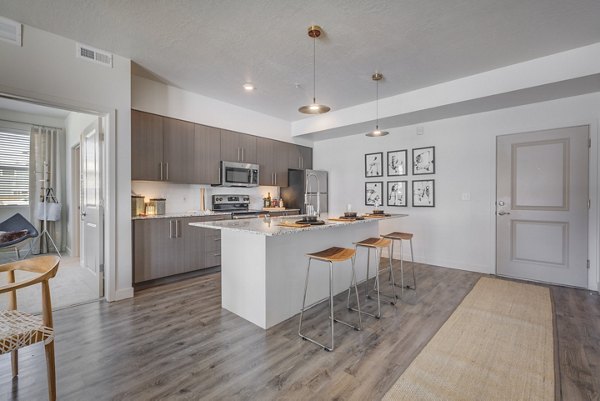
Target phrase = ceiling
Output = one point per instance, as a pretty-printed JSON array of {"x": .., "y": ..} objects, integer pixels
[
  {"x": 212, "y": 47},
  {"x": 31, "y": 108}
]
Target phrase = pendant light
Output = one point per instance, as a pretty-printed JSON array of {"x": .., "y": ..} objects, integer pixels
[
  {"x": 314, "y": 31},
  {"x": 377, "y": 132}
]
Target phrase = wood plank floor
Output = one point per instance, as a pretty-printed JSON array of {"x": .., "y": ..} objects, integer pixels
[{"x": 175, "y": 342}]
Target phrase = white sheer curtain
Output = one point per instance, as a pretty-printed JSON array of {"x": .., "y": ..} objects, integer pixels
[{"x": 47, "y": 145}]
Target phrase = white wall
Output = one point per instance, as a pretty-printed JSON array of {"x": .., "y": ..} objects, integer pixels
[
  {"x": 75, "y": 123},
  {"x": 45, "y": 68},
  {"x": 456, "y": 233},
  {"x": 155, "y": 97}
]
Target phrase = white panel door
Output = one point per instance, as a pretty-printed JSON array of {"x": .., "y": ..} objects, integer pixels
[
  {"x": 91, "y": 208},
  {"x": 542, "y": 206}
]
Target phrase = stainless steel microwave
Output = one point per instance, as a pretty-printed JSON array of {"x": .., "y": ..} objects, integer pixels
[{"x": 239, "y": 174}]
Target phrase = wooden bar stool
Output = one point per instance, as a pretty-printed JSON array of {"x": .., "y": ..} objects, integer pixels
[
  {"x": 377, "y": 244},
  {"x": 400, "y": 236},
  {"x": 330, "y": 256}
]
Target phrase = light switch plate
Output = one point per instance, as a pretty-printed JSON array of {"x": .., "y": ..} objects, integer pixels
[
  {"x": 466, "y": 196},
  {"x": 420, "y": 130}
]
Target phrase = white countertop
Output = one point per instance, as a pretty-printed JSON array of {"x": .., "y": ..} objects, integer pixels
[{"x": 271, "y": 227}]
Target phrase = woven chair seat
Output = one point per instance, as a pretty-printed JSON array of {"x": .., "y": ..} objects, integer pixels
[{"x": 20, "y": 329}]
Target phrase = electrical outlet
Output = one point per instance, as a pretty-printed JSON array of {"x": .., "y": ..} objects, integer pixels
[
  {"x": 420, "y": 130},
  {"x": 466, "y": 196}
]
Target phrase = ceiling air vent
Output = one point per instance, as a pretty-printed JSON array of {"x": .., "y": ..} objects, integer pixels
[
  {"x": 10, "y": 31},
  {"x": 91, "y": 54}
]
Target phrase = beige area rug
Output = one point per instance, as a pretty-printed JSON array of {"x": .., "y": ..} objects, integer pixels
[{"x": 497, "y": 345}]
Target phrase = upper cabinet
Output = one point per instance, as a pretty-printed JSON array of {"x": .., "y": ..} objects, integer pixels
[
  {"x": 178, "y": 150},
  {"x": 299, "y": 157},
  {"x": 167, "y": 149},
  {"x": 207, "y": 151},
  {"x": 238, "y": 147},
  {"x": 146, "y": 146}
]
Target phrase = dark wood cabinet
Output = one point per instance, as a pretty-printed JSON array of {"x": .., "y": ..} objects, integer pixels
[
  {"x": 273, "y": 158},
  {"x": 265, "y": 152},
  {"x": 299, "y": 157},
  {"x": 168, "y": 246},
  {"x": 207, "y": 155},
  {"x": 238, "y": 147},
  {"x": 146, "y": 146},
  {"x": 178, "y": 150},
  {"x": 167, "y": 149}
]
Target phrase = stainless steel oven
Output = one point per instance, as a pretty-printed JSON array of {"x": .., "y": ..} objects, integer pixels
[{"x": 239, "y": 174}]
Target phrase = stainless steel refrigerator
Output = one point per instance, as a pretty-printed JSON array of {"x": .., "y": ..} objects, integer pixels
[{"x": 304, "y": 182}]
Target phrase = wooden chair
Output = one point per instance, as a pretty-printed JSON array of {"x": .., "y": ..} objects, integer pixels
[{"x": 20, "y": 329}]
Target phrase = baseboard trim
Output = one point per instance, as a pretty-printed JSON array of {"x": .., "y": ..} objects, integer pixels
[{"x": 123, "y": 293}]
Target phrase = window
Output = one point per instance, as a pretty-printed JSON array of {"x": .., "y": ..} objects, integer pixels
[{"x": 14, "y": 168}]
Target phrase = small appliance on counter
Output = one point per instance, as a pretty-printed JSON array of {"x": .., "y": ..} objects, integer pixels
[
  {"x": 159, "y": 205},
  {"x": 138, "y": 207},
  {"x": 238, "y": 205}
]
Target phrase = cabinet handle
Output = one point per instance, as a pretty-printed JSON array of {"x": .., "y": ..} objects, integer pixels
[
  {"x": 170, "y": 228},
  {"x": 275, "y": 175},
  {"x": 177, "y": 231},
  {"x": 216, "y": 254},
  {"x": 167, "y": 168},
  {"x": 160, "y": 165},
  {"x": 302, "y": 161},
  {"x": 242, "y": 154},
  {"x": 238, "y": 157},
  {"x": 217, "y": 239}
]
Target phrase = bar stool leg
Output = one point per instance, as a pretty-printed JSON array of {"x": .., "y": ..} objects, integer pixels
[
  {"x": 356, "y": 292},
  {"x": 331, "y": 306},
  {"x": 378, "y": 256},
  {"x": 367, "y": 281},
  {"x": 391, "y": 258},
  {"x": 390, "y": 253},
  {"x": 412, "y": 257},
  {"x": 401, "y": 269},
  {"x": 304, "y": 298}
]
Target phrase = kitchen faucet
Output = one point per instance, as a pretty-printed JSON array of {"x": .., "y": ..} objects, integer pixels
[{"x": 306, "y": 202}]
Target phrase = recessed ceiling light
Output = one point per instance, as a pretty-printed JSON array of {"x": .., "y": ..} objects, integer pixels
[{"x": 248, "y": 87}]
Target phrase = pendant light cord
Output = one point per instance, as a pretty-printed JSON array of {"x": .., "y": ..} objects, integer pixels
[
  {"x": 314, "y": 70},
  {"x": 377, "y": 104}
]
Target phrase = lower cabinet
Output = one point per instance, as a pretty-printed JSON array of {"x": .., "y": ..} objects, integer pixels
[{"x": 164, "y": 247}]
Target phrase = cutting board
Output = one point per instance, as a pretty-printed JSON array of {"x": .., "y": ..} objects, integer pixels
[
  {"x": 292, "y": 225},
  {"x": 375, "y": 216},
  {"x": 274, "y": 209}
]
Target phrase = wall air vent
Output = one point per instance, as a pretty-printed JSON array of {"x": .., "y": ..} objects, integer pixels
[
  {"x": 10, "y": 31},
  {"x": 92, "y": 54}
]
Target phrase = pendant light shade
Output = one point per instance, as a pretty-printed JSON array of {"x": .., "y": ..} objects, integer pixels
[
  {"x": 314, "y": 31},
  {"x": 377, "y": 132}
]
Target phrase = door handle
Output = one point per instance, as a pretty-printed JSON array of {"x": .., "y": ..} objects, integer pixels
[{"x": 503, "y": 213}]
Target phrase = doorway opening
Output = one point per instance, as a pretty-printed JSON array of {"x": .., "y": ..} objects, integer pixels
[{"x": 69, "y": 145}]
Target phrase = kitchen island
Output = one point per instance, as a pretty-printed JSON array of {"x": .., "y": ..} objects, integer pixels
[{"x": 263, "y": 264}]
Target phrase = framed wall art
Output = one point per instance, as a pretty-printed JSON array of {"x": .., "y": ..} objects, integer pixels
[
  {"x": 396, "y": 163},
  {"x": 374, "y": 193},
  {"x": 374, "y": 165},
  {"x": 423, "y": 160},
  {"x": 396, "y": 193},
  {"x": 423, "y": 193}
]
